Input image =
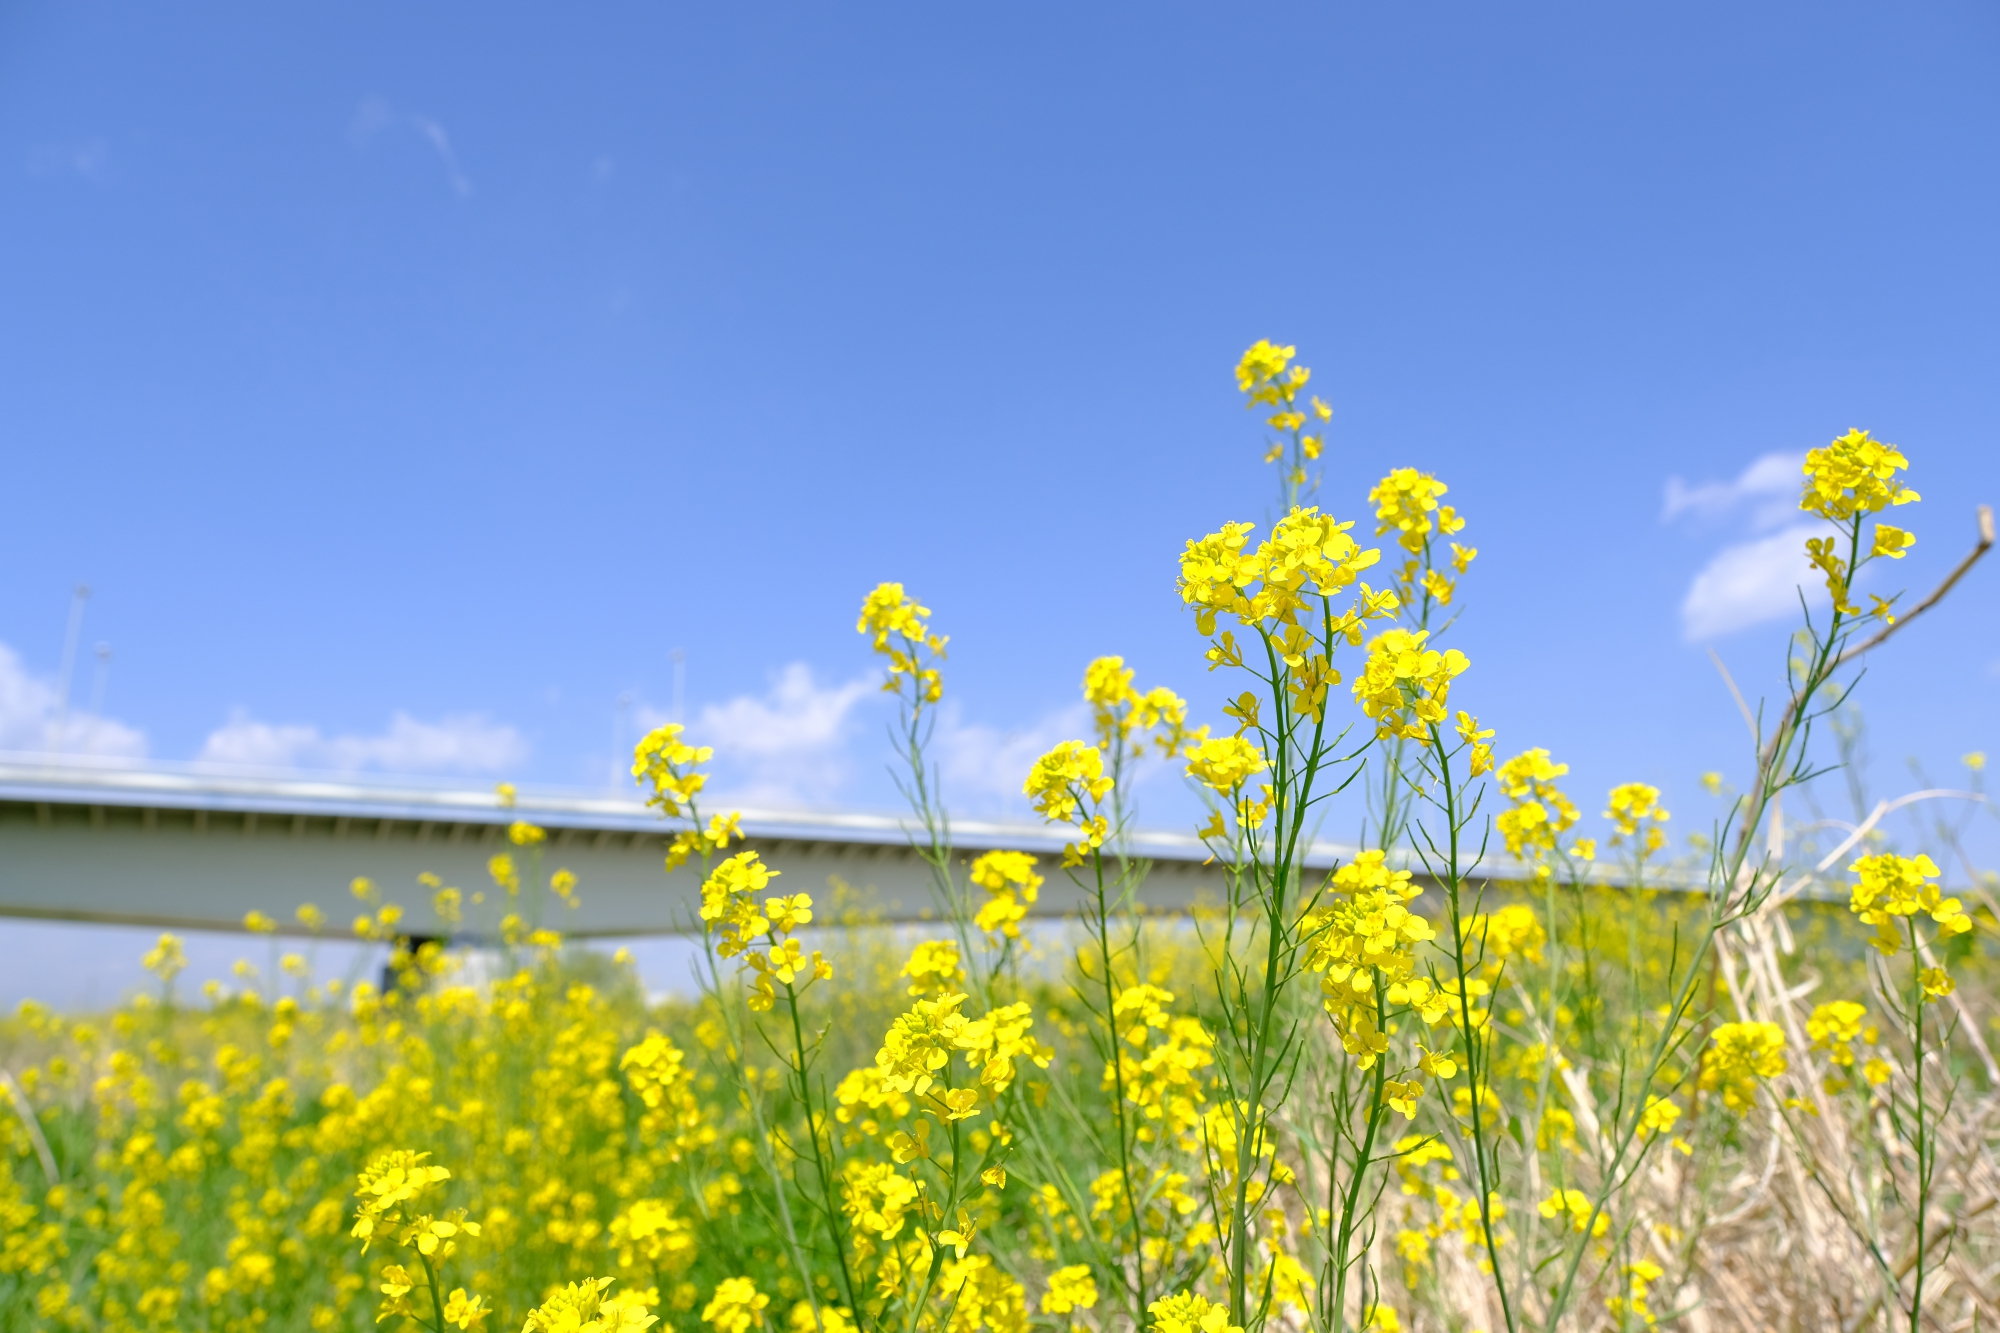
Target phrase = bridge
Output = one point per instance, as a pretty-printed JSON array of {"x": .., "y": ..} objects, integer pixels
[{"x": 198, "y": 846}]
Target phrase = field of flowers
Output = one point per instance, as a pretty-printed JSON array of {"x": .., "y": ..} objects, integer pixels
[{"x": 1748, "y": 1084}]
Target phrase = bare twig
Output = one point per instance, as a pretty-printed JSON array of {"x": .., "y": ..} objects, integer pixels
[
  {"x": 1885, "y": 808},
  {"x": 1742, "y": 706},
  {"x": 1937, "y": 593},
  {"x": 1881, "y": 636}
]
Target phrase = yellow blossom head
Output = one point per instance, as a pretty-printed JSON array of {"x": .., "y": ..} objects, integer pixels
[
  {"x": 1067, "y": 775},
  {"x": 736, "y": 1306},
  {"x": 166, "y": 959},
  {"x": 1856, "y": 474},
  {"x": 1186, "y": 1312},
  {"x": 1224, "y": 763},
  {"x": 584, "y": 1307},
  {"x": 933, "y": 967}
]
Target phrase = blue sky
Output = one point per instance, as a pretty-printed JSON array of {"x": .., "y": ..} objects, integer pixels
[{"x": 408, "y": 382}]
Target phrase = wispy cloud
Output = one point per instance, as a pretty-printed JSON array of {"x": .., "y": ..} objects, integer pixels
[
  {"x": 982, "y": 766},
  {"x": 455, "y": 744},
  {"x": 32, "y": 717},
  {"x": 1752, "y": 582},
  {"x": 784, "y": 747},
  {"x": 1769, "y": 487},
  {"x": 376, "y": 116},
  {"x": 88, "y": 158}
]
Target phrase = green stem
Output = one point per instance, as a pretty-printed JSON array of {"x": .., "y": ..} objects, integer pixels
[
  {"x": 829, "y": 1204},
  {"x": 1103, "y": 931},
  {"x": 1345, "y": 1235},
  {"x": 1473, "y": 1061},
  {"x": 1925, "y": 1149},
  {"x": 1728, "y": 902},
  {"x": 437, "y": 1302}
]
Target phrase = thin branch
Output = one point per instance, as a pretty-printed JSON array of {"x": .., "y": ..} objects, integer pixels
[
  {"x": 1937, "y": 593},
  {"x": 1736, "y": 694},
  {"x": 1884, "y": 808},
  {"x": 1881, "y": 636}
]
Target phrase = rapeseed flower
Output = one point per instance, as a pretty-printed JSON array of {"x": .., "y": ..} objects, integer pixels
[
  {"x": 1739, "y": 1057},
  {"x": 1856, "y": 474},
  {"x": 1889, "y": 887},
  {"x": 1070, "y": 1288},
  {"x": 1406, "y": 686},
  {"x": 1070, "y": 773},
  {"x": 735, "y": 1307},
  {"x": 166, "y": 959},
  {"x": 1187, "y": 1312},
  {"x": 900, "y": 631},
  {"x": 933, "y": 967},
  {"x": 1011, "y": 884},
  {"x": 667, "y": 764},
  {"x": 583, "y": 1307}
]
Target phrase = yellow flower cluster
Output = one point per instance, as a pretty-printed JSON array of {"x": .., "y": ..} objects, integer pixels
[
  {"x": 934, "y": 968},
  {"x": 1741, "y": 1055},
  {"x": 1308, "y": 554},
  {"x": 1011, "y": 884},
  {"x": 759, "y": 932},
  {"x": 1406, "y": 504},
  {"x": 666, "y": 763},
  {"x": 1575, "y": 1206},
  {"x": 1513, "y": 931},
  {"x": 1406, "y": 686},
  {"x": 1833, "y": 1029},
  {"x": 1267, "y": 378},
  {"x": 899, "y": 630},
  {"x": 671, "y": 768},
  {"x": 918, "y": 1047},
  {"x": 583, "y": 1307},
  {"x": 656, "y": 1071},
  {"x": 1119, "y": 711},
  {"x": 390, "y": 1182},
  {"x": 1363, "y": 946},
  {"x": 1640, "y": 1276},
  {"x": 1890, "y": 889},
  {"x": 1538, "y": 812},
  {"x": 1188, "y": 1312},
  {"x": 920, "y": 1043},
  {"x": 1160, "y": 1062},
  {"x": 166, "y": 959},
  {"x": 1070, "y": 1288},
  {"x": 1059, "y": 785},
  {"x": 391, "y": 1188},
  {"x": 1224, "y": 763},
  {"x": 1856, "y": 474},
  {"x": 736, "y": 1307},
  {"x": 1633, "y": 806}
]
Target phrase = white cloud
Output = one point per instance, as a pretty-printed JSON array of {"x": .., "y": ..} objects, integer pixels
[
  {"x": 1771, "y": 484},
  {"x": 982, "y": 767},
  {"x": 455, "y": 744},
  {"x": 796, "y": 714},
  {"x": 30, "y": 709},
  {"x": 375, "y": 115},
  {"x": 87, "y": 158},
  {"x": 1752, "y": 582},
  {"x": 784, "y": 747},
  {"x": 792, "y": 745}
]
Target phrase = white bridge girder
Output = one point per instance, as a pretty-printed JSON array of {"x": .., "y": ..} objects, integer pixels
[{"x": 198, "y": 848}]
